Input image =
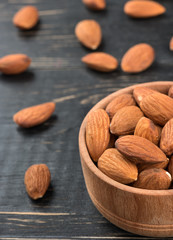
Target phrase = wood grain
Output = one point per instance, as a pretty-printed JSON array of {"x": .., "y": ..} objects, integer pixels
[{"x": 56, "y": 73}]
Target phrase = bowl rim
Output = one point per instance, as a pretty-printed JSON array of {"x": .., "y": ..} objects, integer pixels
[{"x": 84, "y": 154}]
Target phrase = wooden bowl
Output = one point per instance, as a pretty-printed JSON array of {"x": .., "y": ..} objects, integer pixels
[{"x": 139, "y": 211}]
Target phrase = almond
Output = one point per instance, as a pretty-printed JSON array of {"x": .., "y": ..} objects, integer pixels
[
  {"x": 89, "y": 33},
  {"x": 143, "y": 9},
  {"x": 138, "y": 58},
  {"x": 116, "y": 166},
  {"x": 37, "y": 180},
  {"x": 14, "y": 63},
  {"x": 147, "y": 129},
  {"x": 166, "y": 141},
  {"x": 153, "y": 179},
  {"x": 35, "y": 115},
  {"x": 26, "y": 18},
  {"x": 170, "y": 166},
  {"x": 171, "y": 44},
  {"x": 95, "y": 4},
  {"x": 125, "y": 120},
  {"x": 97, "y": 133},
  {"x": 118, "y": 103},
  {"x": 170, "y": 92},
  {"x": 158, "y": 107},
  {"x": 139, "y": 150},
  {"x": 143, "y": 166},
  {"x": 140, "y": 92},
  {"x": 100, "y": 61}
]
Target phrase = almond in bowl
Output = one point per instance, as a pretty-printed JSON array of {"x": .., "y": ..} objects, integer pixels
[{"x": 131, "y": 182}]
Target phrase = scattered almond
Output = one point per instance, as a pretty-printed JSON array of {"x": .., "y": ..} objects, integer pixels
[
  {"x": 14, "y": 63},
  {"x": 35, "y": 115},
  {"x": 26, "y": 18},
  {"x": 139, "y": 150},
  {"x": 166, "y": 141},
  {"x": 97, "y": 133},
  {"x": 158, "y": 107},
  {"x": 138, "y": 58},
  {"x": 125, "y": 120},
  {"x": 171, "y": 44},
  {"x": 116, "y": 166},
  {"x": 37, "y": 180},
  {"x": 140, "y": 92},
  {"x": 95, "y": 4},
  {"x": 99, "y": 61},
  {"x": 153, "y": 179},
  {"x": 118, "y": 103},
  {"x": 147, "y": 129},
  {"x": 143, "y": 9},
  {"x": 89, "y": 33}
]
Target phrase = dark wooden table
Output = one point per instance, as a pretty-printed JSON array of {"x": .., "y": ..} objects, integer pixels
[{"x": 56, "y": 73}]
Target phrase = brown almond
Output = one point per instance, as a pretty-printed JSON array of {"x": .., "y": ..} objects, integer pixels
[
  {"x": 147, "y": 129},
  {"x": 96, "y": 5},
  {"x": 37, "y": 180},
  {"x": 153, "y": 179},
  {"x": 171, "y": 44},
  {"x": 100, "y": 61},
  {"x": 140, "y": 92},
  {"x": 97, "y": 133},
  {"x": 139, "y": 150},
  {"x": 89, "y": 33},
  {"x": 118, "y": 103},
  {"x": 158, "y": 107},
  {"x": 143, "y": 9},
  {"x": 116, "y": 166},
  {"x": 166, "y": 141},
  {"x": 138, "y": 58},
  {"x": 125, "y": 120},
  {"x": 14, "y": 63},
  {"x": 26, "y": 18},
  {"x": 143, "y": 166},
  {"x": 170, "y": 166},
  {"x": 170, "y": 92},
  {"x": 35, "y": 115}
]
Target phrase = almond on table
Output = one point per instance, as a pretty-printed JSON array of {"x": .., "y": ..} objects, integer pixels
[
  {"x": 35, "y": 115},
  {"x": 96, "y": 5},
  {"x": 100, "y": 61},
  {"x": 89, "y": 33},
  {"x": 37, "y": 179},
  {"x": 14, "y": 63},
  {"x": 171, "y": 44},
  {"x": 26, "y": 18},
  {"x": 143, "y": 9},
  {"x": 138, "y": 58}
]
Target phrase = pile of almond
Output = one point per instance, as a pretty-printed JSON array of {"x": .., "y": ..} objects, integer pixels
[{"x": 131, "y": 140}]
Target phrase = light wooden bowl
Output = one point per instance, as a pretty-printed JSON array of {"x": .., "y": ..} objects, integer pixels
[{"x": 140, "y": 211}]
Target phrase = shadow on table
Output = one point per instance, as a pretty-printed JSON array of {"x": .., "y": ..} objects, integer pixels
[{"x": 18, "y": 78}]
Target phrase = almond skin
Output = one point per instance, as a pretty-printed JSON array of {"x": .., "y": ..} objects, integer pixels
[
  {"x": 89, "y": 33},
  {"x": 158, "y": 107},
  {"x": 170, "y": 92},
  {"x": 37, "y": 179},
  {"x": 100, "y": 61},
  {"x": 143, "y": 9},
  {"x": 147, "y": 129},
  {"x": 141, "y": 92},
  {"x": 96, "y": 5},
  {"x": 35, "y": 115},
  {"x": 139, "y": 150},
  {"x": 138, "y": 58},
  {"x": 143, "y": 166},
  {"x": 153, "y": 179},
  {"x": 125, "y": 120},
  {"x": 116, "y": 166},
  {"x": 118, "y": 103},
  {"x": 170, "y": 166},
  {"x": 26, "y": 18},
  {"x": 14, "y": 63},
  {"x": 166, "y": 141},
  {"x": 97, "y": 133}
]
